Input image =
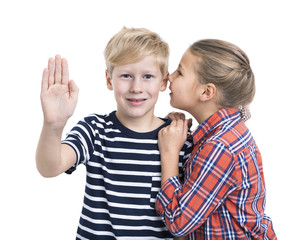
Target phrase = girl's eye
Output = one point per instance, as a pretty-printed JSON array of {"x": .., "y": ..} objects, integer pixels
[
  {"x": 148, "y": 76},
  {"x": 179, "y": 73}
]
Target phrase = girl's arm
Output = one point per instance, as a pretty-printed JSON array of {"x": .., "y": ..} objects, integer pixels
[
  {"x": 59, "y": 98},
  {"x": 210, "y": 177}
]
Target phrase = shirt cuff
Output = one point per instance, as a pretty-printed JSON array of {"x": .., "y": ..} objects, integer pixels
[{"x": 166, "y": 194}]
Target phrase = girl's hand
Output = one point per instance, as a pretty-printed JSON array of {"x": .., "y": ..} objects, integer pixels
[
  {"x": 59, "y": 95},
  {"x": 177, "y": 116},
  {"x": 172, "y": 138},
  {"x": 170, "y": 141}
]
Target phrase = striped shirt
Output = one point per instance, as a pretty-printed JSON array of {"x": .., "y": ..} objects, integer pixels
[
  {"x": 123, "y": 179},
  {"x": 223, "y": 195}
]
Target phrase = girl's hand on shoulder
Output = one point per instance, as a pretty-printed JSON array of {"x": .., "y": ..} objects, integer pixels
[
  {"x": 170, "y": 141},
  {"x": 177, "y": 116},
  {"x": 172, "y": 138}
]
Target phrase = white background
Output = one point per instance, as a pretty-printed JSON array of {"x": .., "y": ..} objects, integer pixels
[{"x": 32, "y": 207}]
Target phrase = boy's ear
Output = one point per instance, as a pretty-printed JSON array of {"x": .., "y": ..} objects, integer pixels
[
  {"x": 164, "y": 83},
  {"x": 108, "y": 81},
  {"x": 208, "y": 91}
]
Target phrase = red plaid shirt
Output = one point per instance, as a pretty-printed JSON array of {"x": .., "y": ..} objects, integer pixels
[{"x": 223, "y": 195}]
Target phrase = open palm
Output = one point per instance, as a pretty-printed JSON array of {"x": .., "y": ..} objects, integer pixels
[{"x": 59, "y": 95}]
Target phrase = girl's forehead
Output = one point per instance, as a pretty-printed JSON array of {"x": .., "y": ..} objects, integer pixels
[{"x": 188, "y": 60}]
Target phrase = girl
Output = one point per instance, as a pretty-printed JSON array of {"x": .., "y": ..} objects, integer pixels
[{"x": 223, "y": 194}]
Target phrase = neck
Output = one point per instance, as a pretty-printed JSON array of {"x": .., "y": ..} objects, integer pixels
[
  {"x": 140, "y": 124},
  {"x": 204, "y": 111}
]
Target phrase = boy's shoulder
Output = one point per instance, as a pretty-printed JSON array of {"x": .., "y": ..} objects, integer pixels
[
  {"x": 100, "y": 121},
  {"x": 109, "y": 123}
]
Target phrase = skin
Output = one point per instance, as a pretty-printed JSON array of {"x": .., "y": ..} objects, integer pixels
[
  {"x": 136, "y": 89},
  {"x": 59, "y": 98}
]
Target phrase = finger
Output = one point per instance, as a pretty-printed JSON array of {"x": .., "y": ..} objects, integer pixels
[
  {"x": 176, "y": 116},
  {"x": 173, "y": 123},
  {"x": 179, "y": 116},
  {"x": 170, "y": 115},
  {"x": 182, "y": 116},
  {"x": 57, "y": 75},
  {"x": 45, "y": 80},
  {"x": 51, "y": 71},
  {"x": 180, "y": 124},
  {"x": 65, "y": 72}
]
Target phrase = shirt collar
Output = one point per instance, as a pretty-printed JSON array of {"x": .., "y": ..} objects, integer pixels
[{"x": 217, "y": 119}]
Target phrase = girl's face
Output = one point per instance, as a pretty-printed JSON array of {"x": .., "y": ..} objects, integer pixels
[{"x": 184, "y": 84}]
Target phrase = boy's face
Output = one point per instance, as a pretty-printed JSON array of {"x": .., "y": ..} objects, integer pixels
[{"x": 136, "y": 88}]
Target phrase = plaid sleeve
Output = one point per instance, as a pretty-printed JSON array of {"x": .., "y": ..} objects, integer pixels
[{"x": 210, "y": 177}]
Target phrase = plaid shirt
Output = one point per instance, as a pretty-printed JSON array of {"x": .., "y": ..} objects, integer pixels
[{"x": 223, "y": 196}]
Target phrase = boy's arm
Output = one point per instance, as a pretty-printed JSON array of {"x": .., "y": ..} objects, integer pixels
[{"x": 59, "y": 98}]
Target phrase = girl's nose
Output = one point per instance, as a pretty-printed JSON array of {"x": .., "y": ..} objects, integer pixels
[{"x": 171, "y": 77}]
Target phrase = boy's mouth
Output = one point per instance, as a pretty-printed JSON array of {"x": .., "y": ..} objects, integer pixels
[{"x": 136, "y": 101}]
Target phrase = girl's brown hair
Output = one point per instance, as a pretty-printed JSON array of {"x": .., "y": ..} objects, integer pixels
[{"x": 227, "y": 67}]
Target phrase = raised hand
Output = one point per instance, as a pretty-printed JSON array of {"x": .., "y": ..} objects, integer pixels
[{"x": 59, "y": 95}]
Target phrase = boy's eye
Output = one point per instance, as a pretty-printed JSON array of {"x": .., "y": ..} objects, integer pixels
[
  {"x": 126, "y": 75},
  {"x": 179, "y": 73},
  {"x": 148, "y": 76}
]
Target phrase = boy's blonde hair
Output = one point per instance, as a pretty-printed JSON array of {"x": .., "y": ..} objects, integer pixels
[
  {"x": 131, "y": 45},
  {"x": 228, "y": 68}
]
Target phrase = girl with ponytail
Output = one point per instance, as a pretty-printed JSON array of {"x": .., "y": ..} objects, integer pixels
[{"x": 222, "y": 195}]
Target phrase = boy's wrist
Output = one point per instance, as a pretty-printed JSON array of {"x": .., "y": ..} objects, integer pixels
[{"x": 54, "y": 127}]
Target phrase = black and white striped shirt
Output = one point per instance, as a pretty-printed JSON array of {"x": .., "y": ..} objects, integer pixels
[{"x": 123, "y": 179}]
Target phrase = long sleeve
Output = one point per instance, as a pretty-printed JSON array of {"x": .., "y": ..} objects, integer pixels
[{"x": 210, "y": 177}]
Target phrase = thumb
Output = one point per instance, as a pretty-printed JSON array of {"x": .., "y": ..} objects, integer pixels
[
  {"x": 73, "y": 87},
  {"x": 73, "y": 90}
]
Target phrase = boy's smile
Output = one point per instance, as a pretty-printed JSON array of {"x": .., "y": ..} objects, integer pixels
[
  {"x": 136, "y": 101},
  {"x": 136, "y": 89}
]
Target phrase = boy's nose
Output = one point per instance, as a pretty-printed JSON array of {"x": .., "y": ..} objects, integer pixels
[{"x": 136, "y": 85}]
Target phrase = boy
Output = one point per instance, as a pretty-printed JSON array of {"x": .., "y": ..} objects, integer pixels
[{"x": 120, "y": 149}]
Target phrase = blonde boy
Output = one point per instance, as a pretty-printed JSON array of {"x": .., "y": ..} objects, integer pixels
[{"x": 119, "y": 149}]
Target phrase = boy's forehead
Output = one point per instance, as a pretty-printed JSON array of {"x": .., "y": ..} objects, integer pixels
[{"x": 147, "y": 62}]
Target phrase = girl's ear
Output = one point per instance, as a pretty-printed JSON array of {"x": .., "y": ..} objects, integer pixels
[
  {"x": 208, "y": 91},
  {"x": 108, "y": 81},
  {"x": 164, "y": 83}
]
